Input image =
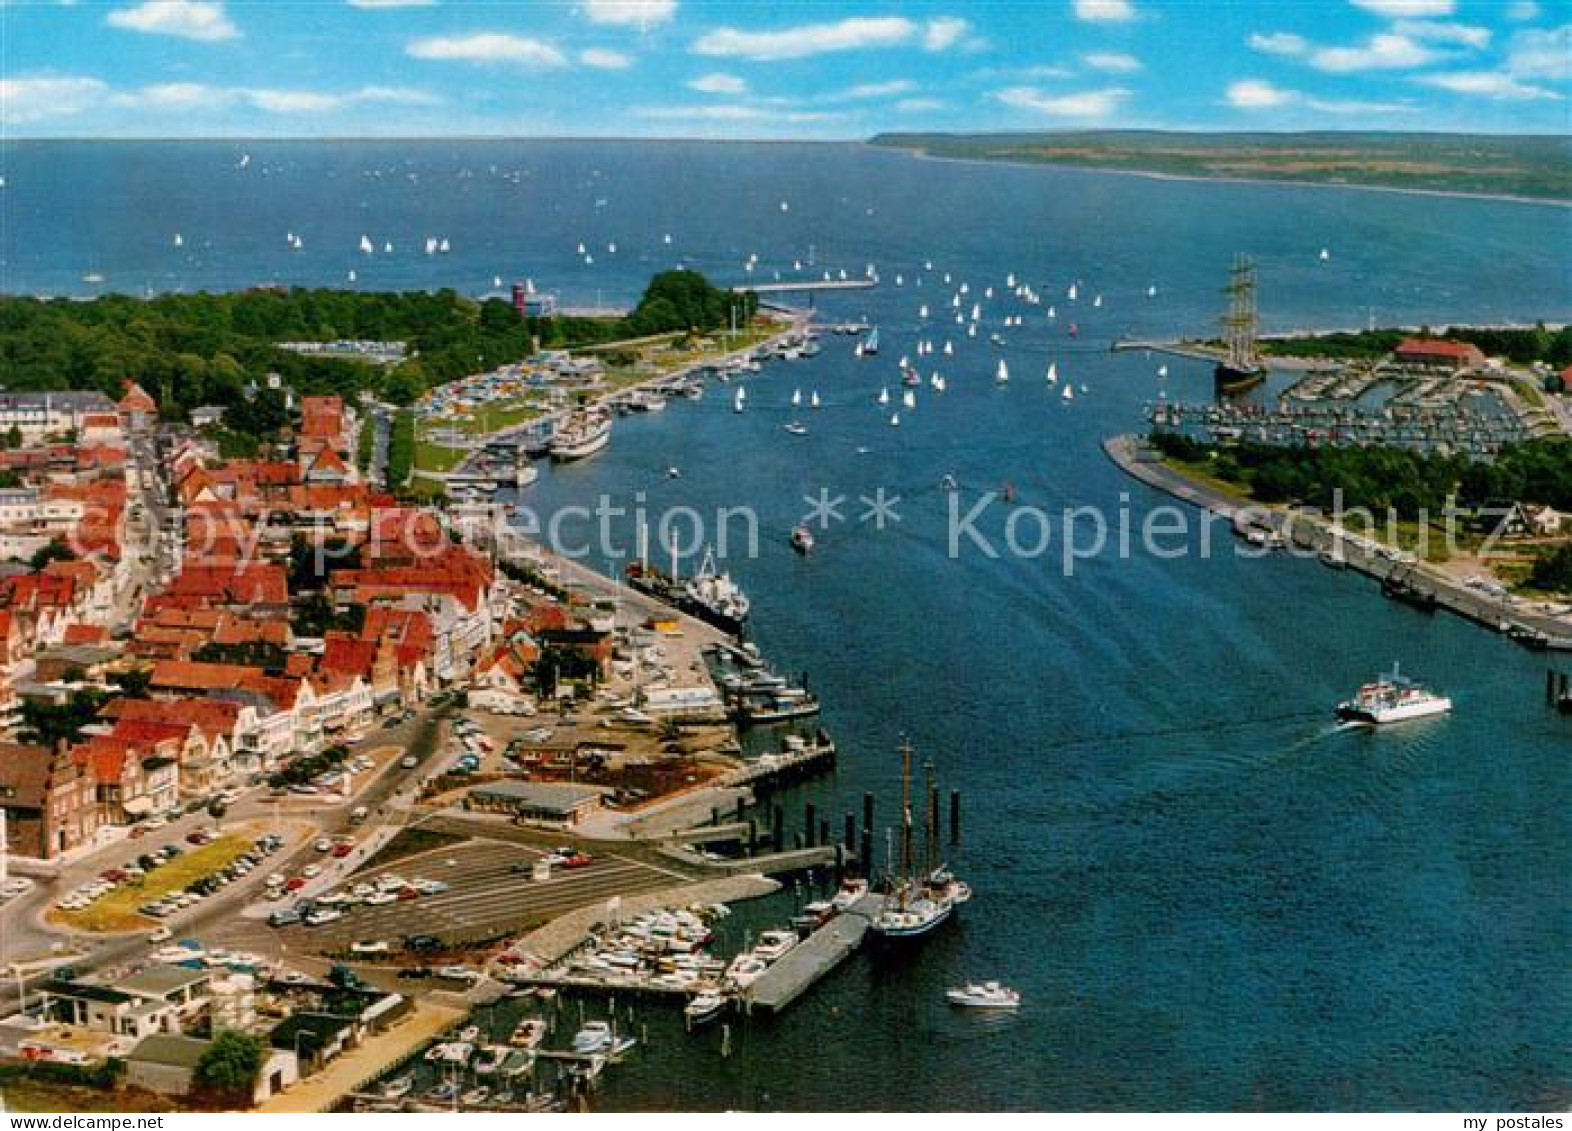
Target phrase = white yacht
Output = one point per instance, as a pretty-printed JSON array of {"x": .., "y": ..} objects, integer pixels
[{"x": 983, "y": 995}]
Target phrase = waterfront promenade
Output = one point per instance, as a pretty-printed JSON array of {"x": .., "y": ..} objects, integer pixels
[{"x": 1313, "y": 534}]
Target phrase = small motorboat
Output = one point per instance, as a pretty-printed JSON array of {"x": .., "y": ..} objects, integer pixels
[
  {"x": 704, "y": 1008},
  {"x": 983, "y": 995},
  {"x": 398, "y": 1087},
  {"x": 528, "y": 1033},
  {"x": 797, "y": 428},
  {"x": 475, "y": 1096},
  {"x": 801, "y": 539},
  {"x": 595, "y": 1037}
]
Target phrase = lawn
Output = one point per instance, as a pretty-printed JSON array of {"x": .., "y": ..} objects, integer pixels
[
  {"x": 435, "y": 457},
  {"x": 117, "y": 911},
  {"x": 23, "y": 1094},
  {"x": 497, "y": 415}
]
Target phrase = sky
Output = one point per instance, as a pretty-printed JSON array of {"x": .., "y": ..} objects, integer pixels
[{"x": 750, "y": 69}]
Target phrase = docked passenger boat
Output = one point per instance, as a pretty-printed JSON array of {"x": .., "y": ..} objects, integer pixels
[
  {"x": 983, "y": 995},
  {"x": 581, "y": 436},
  {"x": 917, "y": 903},
  {"x": 1392, "y": 699}
]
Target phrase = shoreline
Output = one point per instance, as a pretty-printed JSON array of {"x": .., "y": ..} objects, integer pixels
[
  {"x": 1155, "y": 175},
  {"x": 1315, "y": 533}
]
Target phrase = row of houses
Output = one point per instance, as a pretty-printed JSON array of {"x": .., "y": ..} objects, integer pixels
[{"x": 275, "y": 635}]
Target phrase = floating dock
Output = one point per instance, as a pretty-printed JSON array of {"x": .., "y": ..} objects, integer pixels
[{"x": 791, "y": 975}]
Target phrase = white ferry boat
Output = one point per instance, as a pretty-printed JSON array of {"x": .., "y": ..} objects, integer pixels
[{"x": 1392, "y": 699}]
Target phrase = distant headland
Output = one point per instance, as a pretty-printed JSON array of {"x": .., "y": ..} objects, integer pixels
[{"x": 1531, "y": 166}]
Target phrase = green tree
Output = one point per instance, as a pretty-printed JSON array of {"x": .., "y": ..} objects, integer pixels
[
  {"x": 229, "y": 1068},
  {"x": 55, "y": 551}
]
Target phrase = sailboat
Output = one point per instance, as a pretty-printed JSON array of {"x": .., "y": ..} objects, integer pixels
[
  {"x": 916, "y": 904},
  {"x": 740, "y": 401},
  {"x": 581, "y": 248},
  {"x": 909, "y": 399},
  {"x": 796, "y": 398},
  {"x": 352, "y": 275},
  {"x": 179, "y": 240},
  {"x": 1002, "y": 374},
  {"x": 444, "y": 246},
  {"x": 813, "y": 399},
  {"x": 387, "y": 247},
  {"x": 949, "y": 349},
  {"x": 365, "y": 245},
  {"x": 922, "y": 311},
  {"x": 1072, "y": 292},
  {"x": 1151, "y": 291},
  {"x": 431, "y": 245},
  {"x": 666, "y": 239},
  {"x": 884, "y": 395},
  {"x": 1052, "y": 313},
  {"x": 895, "y": 420},
  {"x": 1325, "y": 255},
  {"x": 1069, "y": 392},
  {"x": 1162, "y": 370},
  {"x": 496, "y": 282},
  {"x": 1053, "y": 372},
  {"x": 1097, "y": 301}
]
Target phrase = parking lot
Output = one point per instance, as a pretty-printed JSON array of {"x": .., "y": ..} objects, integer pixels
[{"x": 490, "y": 892}]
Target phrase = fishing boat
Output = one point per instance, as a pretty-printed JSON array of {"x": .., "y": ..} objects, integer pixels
[
  {"x": 581, "y": 436},
  {"x": 983, "y": 995},
  {"x": 1392, "y": 699},
  {"x": 802, "y": 539},
  {"x": 704, "y": 1008}
]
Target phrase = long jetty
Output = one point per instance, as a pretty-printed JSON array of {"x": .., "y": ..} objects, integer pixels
[
  {"x": 807, "y": 285},
  {"x": 791, "y": 975},
  {"x": 1139, "y": 460}
]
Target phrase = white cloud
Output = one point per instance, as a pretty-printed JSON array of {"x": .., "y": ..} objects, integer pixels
[
  {"x": 376, "y": 4},
  {"x": 488, "y": 47},
  {"x": 718, "y": 83},
  {"x": 731, "y": 112},
  {"x": 1383, "y": 52},
  {"x": 1522, "y": 10},
  {"x": 1495, "y": 85},
  {"x": 188, "y": 19},
  {"x": 799, "y": 42},
  {"x": 1279, "y": 43},
  {"x": 944, "y": 32},
  {"x": 604, "y": 60},
  {"x": 630, "y": 13},
  {"x": 37, "y": 98},
  {"x": 1255, "y": 94},
  {"x": 1542, "y": 53},
  {"x": 1252, "y": 94},
  {"x": 1400, "y": 9},
  {"x": 1113, "y": 62},
  {"x": 1104, "y": 11},
  {"x": 1464, "y": 35},
  {"x": 1085, "y": 104},
  {"x": 868, "y": 90},
  {"x": 918, "y": 105}
]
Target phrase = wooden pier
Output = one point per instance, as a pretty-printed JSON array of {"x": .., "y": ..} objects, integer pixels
[{"x": 791, "y": 975}]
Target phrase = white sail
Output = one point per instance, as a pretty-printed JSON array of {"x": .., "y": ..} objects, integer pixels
[
  {"x": 796, "y": 398},
  {"x": 884, "y": 396},
  {"x": 1072, "y": 292},
  {"x": 1162, "y": 370},
  {"x": 909, "y": 399},
  {"x": 1002, "y": 374},
  {"x": 179, "y": 240},
  {"x": 365, "y": 245},
  {"x": 813, "y": 400},
  {"x": 895, "y": 420},
  {"x": 1069, "y": 392},
  {"x": 1053, "y": 372}
]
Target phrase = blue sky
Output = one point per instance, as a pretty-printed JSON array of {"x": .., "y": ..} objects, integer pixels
[{"x": 813, "y": 68}]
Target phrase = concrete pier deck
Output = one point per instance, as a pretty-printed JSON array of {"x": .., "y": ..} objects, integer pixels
[{"x": 790, "y": 976}]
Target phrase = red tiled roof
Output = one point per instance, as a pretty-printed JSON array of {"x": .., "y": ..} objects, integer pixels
[{"x": 1429, "y": 347}]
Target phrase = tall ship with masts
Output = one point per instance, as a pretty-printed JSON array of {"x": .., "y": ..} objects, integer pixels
[
  {"x": 919, "y": 900},
  {"x": 1242, "y": 369}
]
